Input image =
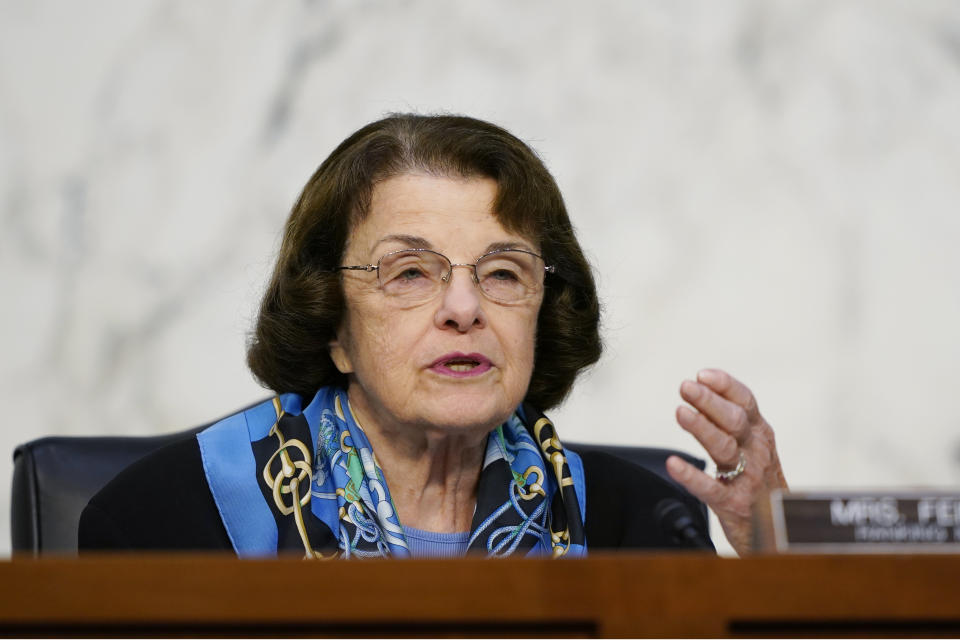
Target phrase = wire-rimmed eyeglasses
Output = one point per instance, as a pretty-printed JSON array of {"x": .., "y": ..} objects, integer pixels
[{"x": 416, "y": 275}]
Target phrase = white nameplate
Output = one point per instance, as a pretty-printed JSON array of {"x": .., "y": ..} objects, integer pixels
[{"x": 866, "y": 521}]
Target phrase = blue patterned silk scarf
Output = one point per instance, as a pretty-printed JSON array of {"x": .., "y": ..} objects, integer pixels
[{"x": 286, "y": 479}]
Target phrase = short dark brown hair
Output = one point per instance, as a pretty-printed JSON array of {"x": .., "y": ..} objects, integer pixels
[{"x": 304, "y": 303}]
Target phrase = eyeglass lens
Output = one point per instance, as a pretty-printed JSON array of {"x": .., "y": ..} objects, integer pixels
[{"x": 505, "y": 276}]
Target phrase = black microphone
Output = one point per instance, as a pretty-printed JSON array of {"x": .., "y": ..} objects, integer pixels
[{"x": 676, "y": 520}]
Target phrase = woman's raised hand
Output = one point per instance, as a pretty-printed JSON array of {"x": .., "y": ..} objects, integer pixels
[{"x": 726, "y": 421}]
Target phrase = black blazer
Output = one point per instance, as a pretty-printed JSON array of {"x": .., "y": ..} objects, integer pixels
[{"x": 163, "y": 502}]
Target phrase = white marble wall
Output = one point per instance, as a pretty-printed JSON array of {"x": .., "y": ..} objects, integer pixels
[{"x": 767, "y": 186}]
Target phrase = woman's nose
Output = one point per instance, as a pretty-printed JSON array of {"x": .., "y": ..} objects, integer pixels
[{"x": 460, "y": 303}]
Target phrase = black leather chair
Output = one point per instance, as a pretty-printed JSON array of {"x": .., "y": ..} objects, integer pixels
[{"x": 55, "y": 477}]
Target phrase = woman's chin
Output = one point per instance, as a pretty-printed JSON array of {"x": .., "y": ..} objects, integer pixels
[{"x": 469, "y": 411}]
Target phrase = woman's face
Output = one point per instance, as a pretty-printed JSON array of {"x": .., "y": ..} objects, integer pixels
[{"x": 457, "y": 361}]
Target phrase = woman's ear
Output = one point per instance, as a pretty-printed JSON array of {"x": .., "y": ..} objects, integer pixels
[{"x": 341, "y": 360}]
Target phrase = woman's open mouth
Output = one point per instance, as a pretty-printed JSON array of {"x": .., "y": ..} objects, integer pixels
[{"x": 460, "y": 365}]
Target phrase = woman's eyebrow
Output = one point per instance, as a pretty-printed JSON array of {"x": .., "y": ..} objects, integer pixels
[
  {"x": 417, "y": 242},
  {"x": 414, "y": 242},
  {"x": 502, "y": 246}
]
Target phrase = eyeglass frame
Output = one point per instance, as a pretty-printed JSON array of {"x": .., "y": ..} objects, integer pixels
[{"x": 547, "y": 268}]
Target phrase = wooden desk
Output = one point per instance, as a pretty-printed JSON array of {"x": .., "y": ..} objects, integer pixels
[{"x": 604, "y": 595}]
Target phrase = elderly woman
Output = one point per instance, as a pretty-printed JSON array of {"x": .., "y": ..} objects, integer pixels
[{"x": 429, "y": 301}]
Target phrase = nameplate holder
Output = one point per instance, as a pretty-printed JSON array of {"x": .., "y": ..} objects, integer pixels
[{"x": 914, "y": 521}]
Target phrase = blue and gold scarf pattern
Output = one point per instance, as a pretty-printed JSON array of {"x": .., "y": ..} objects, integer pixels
[{"x": 285, "y": 479}]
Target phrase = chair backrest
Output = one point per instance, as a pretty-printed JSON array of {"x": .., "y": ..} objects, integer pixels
[{"x": 55, "y": 477}]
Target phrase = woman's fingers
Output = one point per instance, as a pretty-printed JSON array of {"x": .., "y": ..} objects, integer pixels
[
  {"x": 728, "y": 415},
  {"x": 730, "y": 388},
  {"x": 702, "y": 486},
  {"x": 720, "y": 444}
]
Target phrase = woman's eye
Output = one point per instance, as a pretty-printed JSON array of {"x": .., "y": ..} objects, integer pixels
[
  {"x": 410, "y": 273},
  {"x": 503, "y": 274}
]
